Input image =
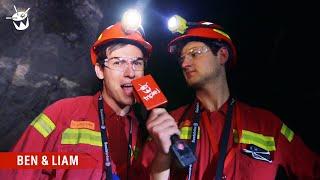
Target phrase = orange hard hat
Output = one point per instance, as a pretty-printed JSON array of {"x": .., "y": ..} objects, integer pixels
[
  {"x": 116, "y": 33},
  {"x": 204, "y": 31}
]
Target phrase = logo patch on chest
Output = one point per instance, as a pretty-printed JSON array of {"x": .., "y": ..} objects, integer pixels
[
  {"x": 257, "y": 153},
  {"x": 82, "y": 125}
]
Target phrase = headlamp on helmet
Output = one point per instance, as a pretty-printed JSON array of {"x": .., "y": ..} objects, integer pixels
[
  {"x": 131, "y": 20},
  {"x": 177, "y": 24}
]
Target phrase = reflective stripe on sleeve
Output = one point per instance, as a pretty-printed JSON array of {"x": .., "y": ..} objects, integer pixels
[
  {"x": 43, "y": 124},
  {"x": 288, "y": 133}
]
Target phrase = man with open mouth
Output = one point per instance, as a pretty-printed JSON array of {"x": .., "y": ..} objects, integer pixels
[{"x": 103, "y": 126}]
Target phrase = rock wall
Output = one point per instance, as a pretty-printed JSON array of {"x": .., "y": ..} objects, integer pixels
[{"x": 49, "y": 60}]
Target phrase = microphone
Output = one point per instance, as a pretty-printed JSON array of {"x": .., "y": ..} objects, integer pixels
[{"x": 149, "y": 94}]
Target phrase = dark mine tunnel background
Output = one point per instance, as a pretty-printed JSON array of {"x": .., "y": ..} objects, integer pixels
[{"x": 276, "y": 42}]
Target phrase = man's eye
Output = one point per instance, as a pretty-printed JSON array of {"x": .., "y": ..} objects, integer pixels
[
  {"x": 194, "y": 54},
  {"x": 119, "y": 62},
  {"x": 116, "y": 63},
  {"x": 138, "y": 63},
  {"x": 181, "y": 59}
]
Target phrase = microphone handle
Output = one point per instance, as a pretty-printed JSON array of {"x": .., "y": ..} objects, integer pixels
[
  {"x": 174, "y": 138},
  {"x": 181, "y": 151}
]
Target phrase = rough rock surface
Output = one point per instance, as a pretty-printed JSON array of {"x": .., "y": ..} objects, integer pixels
[{"x": 46, "y": 62}]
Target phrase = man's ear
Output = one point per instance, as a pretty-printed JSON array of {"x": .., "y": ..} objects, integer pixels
[
  {"x": 99, "y": 71},
  {"x": 223, "y": 55}
]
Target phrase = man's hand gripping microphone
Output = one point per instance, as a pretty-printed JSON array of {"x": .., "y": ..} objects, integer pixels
[{"x": 149, "y": 94}]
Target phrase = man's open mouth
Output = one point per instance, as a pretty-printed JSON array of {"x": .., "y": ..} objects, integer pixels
[{"x": 127, "y": 88}]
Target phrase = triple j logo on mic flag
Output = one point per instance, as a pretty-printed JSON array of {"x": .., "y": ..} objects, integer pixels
[{"x": 148, "y": 92}]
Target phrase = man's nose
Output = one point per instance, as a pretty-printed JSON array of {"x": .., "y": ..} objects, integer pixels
[
  {"x": 129, "y": 71},
  {"x": 186, "y": 61}
]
